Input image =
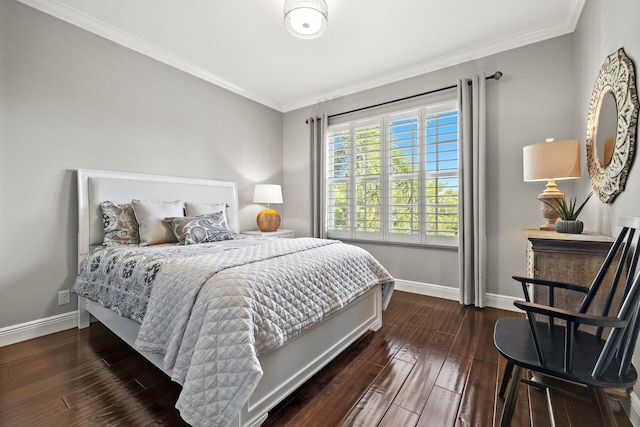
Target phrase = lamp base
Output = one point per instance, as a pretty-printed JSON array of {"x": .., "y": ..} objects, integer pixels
[
  {"x": 549, "y": 214},
  {"x": 268, "y": 220},
  {"x": 548, "y": 227}
]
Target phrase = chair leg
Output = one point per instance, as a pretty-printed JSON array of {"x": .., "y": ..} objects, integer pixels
[
  {"x": 505, "y": 378},
  {"x": 602, "y": 400},
  {"x": 510, "y": 402}
]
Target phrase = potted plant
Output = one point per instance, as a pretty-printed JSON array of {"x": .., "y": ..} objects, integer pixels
[{"x": 568, "y": 221}]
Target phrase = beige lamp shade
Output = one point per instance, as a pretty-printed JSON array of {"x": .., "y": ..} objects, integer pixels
[
  {"x": 267, "y": 193},
  {"x": 551, "y": 160},
  {"x": 268, "y": 219}
]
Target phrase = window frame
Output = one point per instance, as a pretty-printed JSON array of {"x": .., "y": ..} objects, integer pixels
[{"x": 386, "y": 178}]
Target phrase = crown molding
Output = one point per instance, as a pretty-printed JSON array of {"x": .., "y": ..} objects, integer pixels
[
  {"x": 74, "y": 17},
  {"x": 132, "y": 42},
  {"x": 455, "y": 58}
]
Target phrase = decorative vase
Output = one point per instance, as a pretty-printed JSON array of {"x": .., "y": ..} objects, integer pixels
[
  {"x": 268, "y": 220},
  {"x": 569, "y": 226}
]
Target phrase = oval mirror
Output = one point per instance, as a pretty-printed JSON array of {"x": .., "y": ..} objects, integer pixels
[{"x": 611, "y": 126}]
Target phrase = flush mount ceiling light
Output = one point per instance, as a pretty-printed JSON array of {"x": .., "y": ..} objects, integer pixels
[{"x": 306, "y": 19}]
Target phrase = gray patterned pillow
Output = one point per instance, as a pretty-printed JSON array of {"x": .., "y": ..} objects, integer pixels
[
  {"x": 120, "y": 225},
  {"x": 200, "y": 229}
]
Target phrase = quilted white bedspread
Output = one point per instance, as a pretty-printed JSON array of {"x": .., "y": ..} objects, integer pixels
[{"x": 213, "y": 315}]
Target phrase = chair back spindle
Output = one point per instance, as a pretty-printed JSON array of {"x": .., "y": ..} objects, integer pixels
[
  {"x": 621, "y": 341},
  {"x": 604, "y": 269},
  {"x": 618, "y": 273},
  {"x": 615, "y": 340}
]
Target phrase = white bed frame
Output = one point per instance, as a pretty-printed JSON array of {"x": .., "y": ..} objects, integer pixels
[{"x": 286, "y": 368}]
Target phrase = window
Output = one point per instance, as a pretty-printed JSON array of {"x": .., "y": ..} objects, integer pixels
[{"x": 394, "y": 177}]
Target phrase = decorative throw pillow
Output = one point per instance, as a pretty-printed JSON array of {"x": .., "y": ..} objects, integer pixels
[
  {"x": 120, "y": 225},
  {"x": 150, "y": 216},
  {"x": 200, "y": 229},
  {"x": 199, "y": 209}
]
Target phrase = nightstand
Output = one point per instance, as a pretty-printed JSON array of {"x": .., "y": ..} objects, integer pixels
[
  {"x": 569, "y": 258},
  {"x": 278, "y": 233}
]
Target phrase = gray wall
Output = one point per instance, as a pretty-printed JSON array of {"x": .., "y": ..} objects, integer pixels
[
  {"x": 604, "y": 27},
  {"x": 534, "y": 100},
  {"x": 70, "y": 99}
]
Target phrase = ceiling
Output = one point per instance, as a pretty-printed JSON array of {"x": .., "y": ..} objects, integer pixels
[{"x": 243, "y": 46}]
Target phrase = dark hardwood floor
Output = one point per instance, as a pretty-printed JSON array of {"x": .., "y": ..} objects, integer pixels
[{"x": 431, "y": 364}]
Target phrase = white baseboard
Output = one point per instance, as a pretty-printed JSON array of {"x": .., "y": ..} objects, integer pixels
[
  {"x": 428, "y": 289},
  {"x": 634, "y": 413},
  {"x": 503, "y": 302},
  {"x": 37, "y": 328}
]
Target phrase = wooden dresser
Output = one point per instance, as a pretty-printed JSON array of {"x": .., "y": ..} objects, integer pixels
[{"x": 569, "y": 258}]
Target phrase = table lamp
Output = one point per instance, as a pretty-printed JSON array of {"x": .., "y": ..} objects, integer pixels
[
  {"x": 268, "y": 219},
  {"x": 550, "y": 161}
]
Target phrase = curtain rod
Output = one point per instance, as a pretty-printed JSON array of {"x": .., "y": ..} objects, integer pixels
[{"x": 496, "y": 76}]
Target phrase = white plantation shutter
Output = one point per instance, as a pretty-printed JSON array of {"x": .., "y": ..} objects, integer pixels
[
  {"x": 405, "y": 154},
  {"x": 367, "y": 176},
  {"x": 338, "y": 186},
  {"x": 394, "y": 178},
  {"x": 442, "y": 173}
]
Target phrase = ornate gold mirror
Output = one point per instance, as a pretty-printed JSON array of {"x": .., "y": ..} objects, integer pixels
[{"x": 611, "y": 126}]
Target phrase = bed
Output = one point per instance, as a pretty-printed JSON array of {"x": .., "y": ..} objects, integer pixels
[{"x": 279, "y": 368}]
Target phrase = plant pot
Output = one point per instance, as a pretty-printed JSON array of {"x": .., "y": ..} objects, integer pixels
[{"x": 568, "y": 226}]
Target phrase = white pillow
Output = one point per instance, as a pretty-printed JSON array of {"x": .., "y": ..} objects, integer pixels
[
  {"x": 199, "y": 209},
  {"x": 150, "y": 215}
]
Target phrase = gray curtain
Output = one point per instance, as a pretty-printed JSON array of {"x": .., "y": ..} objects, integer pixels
[
  {"x": 472, "y": 248},
  {"x": 317, "y": 132}
]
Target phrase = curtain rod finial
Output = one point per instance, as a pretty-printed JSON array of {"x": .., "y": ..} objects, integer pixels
[{"x": 497, "y": 75}]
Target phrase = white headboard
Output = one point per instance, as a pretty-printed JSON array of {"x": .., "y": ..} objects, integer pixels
[{"x": 96, "y": 186}]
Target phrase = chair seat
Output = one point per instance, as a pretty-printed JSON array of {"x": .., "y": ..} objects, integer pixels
[{"x": 513, "y": 340}]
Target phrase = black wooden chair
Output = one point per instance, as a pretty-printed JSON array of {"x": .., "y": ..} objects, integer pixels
[{"x": 561, "y": 350}]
